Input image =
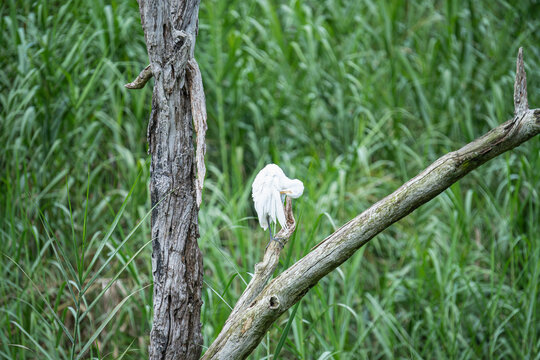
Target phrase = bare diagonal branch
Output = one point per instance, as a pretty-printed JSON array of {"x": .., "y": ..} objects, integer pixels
[{"x": 245, "y": 329}]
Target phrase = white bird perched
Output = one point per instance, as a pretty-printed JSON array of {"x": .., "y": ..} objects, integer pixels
[{"x": 269, "y": 190}]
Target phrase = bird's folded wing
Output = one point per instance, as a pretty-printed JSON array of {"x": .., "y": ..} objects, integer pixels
[
  {"x": 277, "y": 209},
  {"x": 260, "y": 200}
]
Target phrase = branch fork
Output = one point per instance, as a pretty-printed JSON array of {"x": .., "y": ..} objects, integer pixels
[
  {"x": 261, "y": 305},
  {"x": 265, "y": 269}
]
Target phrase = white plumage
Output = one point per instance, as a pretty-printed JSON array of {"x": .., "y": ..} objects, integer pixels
[{"x": 269, "y": 190}]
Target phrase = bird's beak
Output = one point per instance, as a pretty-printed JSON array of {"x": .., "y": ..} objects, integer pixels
[{"x": 286, "y": 192}]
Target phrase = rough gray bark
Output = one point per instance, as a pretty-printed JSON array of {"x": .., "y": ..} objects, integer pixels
[
  {"x": 170, "y": 28},
  {"x": 250, "y": 320}
]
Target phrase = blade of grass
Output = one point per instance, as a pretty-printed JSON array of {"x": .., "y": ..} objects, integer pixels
[
  {"x": 286, "y": 331},
  {"x": 42, "y": 298},
  {"x": 106, "y": 321}
]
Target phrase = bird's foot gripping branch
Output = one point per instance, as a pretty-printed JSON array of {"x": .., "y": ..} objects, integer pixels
[{"x": 265, "y": 269}]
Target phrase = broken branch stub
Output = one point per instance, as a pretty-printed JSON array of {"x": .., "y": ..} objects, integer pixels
[
  {"x": 521, "y": 104},
  {"x": 246, "y": 326},
  {"x": 141, "y": 80}
]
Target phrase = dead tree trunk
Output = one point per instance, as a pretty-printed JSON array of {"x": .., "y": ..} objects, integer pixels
[{"x": 170, "y": 28}]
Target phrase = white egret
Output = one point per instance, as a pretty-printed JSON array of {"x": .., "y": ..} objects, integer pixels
[{"x": 269, "y": 190}]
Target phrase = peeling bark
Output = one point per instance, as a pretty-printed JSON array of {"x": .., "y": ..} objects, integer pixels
[{"x": 198, "y": 110}]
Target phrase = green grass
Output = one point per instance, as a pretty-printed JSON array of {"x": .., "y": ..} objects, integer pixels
[{"x": 352, "y": 97}]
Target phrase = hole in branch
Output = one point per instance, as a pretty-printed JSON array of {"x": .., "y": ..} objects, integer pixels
[{"x": 274, "y": 302}]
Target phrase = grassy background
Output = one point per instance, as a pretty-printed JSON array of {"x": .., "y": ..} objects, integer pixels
[{"x": 352, "y": 97}]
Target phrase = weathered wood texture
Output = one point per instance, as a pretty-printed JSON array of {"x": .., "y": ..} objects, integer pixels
[
  {"x": 170, "y": 28},
  {"x": 244, "y": 329},
  {"x": 265, "y": 269},
  {"x": 198, "y": 111}
]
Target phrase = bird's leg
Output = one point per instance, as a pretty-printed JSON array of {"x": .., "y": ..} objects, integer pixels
[
  {"x": 272, "y": 238},
  {"x": 269, "y": 240}
]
